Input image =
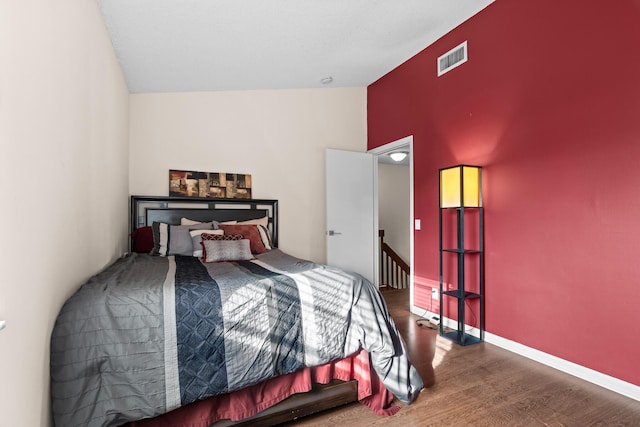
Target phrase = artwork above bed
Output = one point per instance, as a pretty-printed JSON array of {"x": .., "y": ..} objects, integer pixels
[{"x": 219, "y": 185}]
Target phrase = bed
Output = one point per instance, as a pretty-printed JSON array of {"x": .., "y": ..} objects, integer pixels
[{"x": 221, "y": 327}]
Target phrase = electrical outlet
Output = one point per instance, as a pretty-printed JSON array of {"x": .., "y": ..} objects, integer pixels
[{"x": 434, "y": 293}]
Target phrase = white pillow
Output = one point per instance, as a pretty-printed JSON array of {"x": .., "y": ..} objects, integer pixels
[
  {"x": 260, "y": 221},
  {"x": 187, "y": 221},
  {"x": 196, "y": 239}
]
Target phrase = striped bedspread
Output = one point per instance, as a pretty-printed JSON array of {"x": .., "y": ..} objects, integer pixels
[{"x": 150, "y": 334}]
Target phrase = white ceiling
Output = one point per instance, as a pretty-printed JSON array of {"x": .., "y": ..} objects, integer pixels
[{"x": 212, "y": 45}]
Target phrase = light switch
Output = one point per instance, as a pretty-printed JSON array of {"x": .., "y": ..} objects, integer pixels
[{"x": 417, "y": 224}]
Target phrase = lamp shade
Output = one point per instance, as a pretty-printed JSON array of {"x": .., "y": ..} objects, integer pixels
[{"x": 461, "y": 186}]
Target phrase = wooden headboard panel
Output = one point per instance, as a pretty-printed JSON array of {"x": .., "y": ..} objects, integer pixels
[{"x": 147, "y": 209}]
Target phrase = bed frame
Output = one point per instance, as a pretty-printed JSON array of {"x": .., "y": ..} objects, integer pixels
[{"x": 147, "y": 209}]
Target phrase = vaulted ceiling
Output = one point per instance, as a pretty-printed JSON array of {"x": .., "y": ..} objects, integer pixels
[{"x": 215, "y": 45}]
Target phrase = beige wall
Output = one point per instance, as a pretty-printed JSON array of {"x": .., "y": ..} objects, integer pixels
[
  {"x": 279, "y": 137},
  {"x": 64, "y": 163},
  {"x": 394, "y": 199}
]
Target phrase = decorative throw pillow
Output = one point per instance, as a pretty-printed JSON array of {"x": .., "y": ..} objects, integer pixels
[
  {"x": 249, "y": 232},
  {"x": 226, "y": 250},
  {"x": 223, "y": 236},
  {"x": 198, "y": 235},
  {"x": 174, "y": 239},
  {"x": 142, "y": 240},
  {"x": 265, "y": 235},
  {"x": 263, "y": 228}
]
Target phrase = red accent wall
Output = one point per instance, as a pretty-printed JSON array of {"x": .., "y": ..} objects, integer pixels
[{"x": 549, "y": 104}]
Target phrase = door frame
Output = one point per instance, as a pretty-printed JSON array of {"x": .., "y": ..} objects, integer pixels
[{"x": 406, "y": 142}]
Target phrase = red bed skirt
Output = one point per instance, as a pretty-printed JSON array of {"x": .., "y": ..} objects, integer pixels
[{"x": 251, "y": 400}]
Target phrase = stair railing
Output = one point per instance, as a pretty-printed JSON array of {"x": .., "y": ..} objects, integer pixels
[{"x": 394, "y": 271}]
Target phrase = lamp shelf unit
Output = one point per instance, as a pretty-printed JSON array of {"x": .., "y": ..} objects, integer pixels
[
  {"x": 460, "y": 191},
  {"x": 459, "y": 293},
  {"x": 462, "y": 251},
  {"x": 461, "y": 338}
]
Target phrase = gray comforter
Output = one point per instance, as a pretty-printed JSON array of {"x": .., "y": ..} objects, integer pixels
[{"x": 149, "y": 334}]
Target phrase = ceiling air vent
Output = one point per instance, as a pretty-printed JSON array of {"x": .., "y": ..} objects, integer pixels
[{"x": 453, "y": 58}]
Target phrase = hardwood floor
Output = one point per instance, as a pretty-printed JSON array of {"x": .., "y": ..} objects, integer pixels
[{"x": 483, "y": 385}]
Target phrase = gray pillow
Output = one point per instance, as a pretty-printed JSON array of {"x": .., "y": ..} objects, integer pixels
[
  {"x": 226, "y": 250},
  {"x": 196, "y": 239},
  {"x": 174, "y": 239}
]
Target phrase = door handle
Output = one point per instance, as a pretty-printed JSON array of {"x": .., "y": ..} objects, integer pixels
[{"x": 333, "y": 233}]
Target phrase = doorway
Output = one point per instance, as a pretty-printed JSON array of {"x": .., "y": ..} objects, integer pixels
[{"x": 401, "y": 145}]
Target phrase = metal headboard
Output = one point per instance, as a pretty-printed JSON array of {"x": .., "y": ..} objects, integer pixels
[{"x": 147, "y": 209}]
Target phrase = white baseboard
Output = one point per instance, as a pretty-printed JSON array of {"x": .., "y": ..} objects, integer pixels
[{"x": 611, "y": 383}]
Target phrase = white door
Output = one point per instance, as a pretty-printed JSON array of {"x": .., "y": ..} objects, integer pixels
[{"x": 352, "y": 211}]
